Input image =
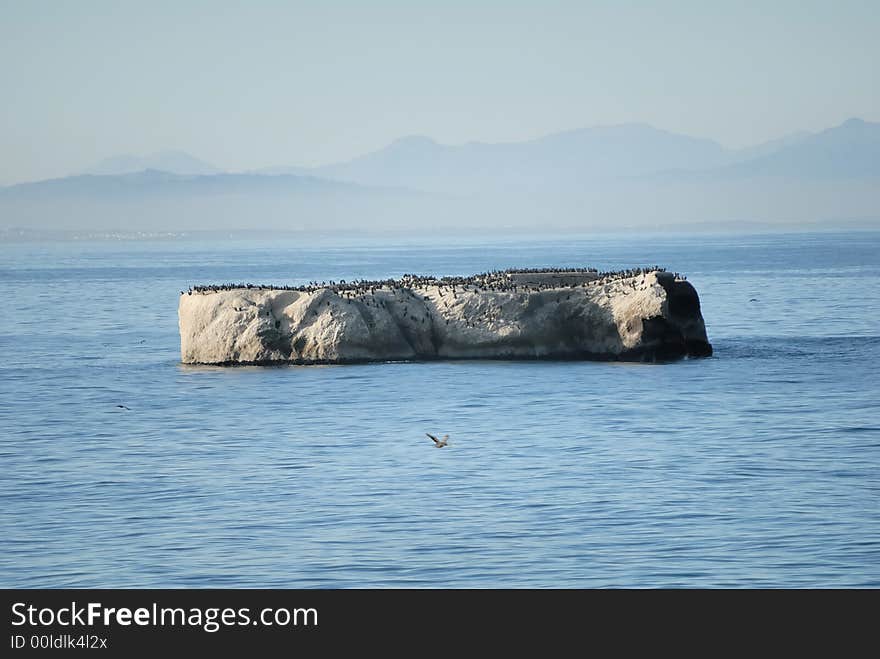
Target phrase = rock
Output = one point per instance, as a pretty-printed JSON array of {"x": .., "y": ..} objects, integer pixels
[{"x": 646, "y": 316}]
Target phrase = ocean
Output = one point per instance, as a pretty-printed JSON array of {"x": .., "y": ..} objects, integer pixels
[{"x": 757, "y": 467}]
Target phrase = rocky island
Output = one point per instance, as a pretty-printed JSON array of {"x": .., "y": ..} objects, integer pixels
[{"x": 644, "y": 314}]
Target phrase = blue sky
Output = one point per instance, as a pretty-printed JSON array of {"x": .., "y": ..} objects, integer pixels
[{"x": 245, "y": 85}]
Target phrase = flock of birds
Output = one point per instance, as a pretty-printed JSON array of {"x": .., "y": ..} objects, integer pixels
[
  {"x": 495, "y": 280},
  {"x": 407, "y": 292}
]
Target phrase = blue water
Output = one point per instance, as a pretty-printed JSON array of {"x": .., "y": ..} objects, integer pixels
[{"x": 757, "y": 467}]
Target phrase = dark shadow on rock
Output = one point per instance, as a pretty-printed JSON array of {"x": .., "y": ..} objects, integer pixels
[{"x": 683, "y": 308}]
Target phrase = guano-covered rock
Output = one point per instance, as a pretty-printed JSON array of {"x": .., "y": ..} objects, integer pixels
[{"x": 635, "y": 316}]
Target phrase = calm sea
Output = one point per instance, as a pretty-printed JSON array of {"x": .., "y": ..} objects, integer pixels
[{"x": 757, "y": 467}]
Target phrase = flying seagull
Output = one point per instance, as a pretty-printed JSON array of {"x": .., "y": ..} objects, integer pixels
[{"x": 439, "y": 443}]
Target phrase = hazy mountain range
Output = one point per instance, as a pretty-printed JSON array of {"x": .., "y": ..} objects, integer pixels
[
  {"x": 176, "y": 162},
  {"x": 631, "y": 174}
]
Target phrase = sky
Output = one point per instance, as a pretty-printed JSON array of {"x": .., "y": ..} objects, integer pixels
[{"x": 245, "y": 85}]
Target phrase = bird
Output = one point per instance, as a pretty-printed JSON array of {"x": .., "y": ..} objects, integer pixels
[
  {"x": 439, "y": 443},
  {"x": 124, "y": 407}
]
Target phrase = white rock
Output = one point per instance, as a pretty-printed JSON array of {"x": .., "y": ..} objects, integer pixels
[{"x": 652, "y": 316}]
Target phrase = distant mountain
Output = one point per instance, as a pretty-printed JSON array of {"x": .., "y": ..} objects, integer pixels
[
  {"x": 772, "y": 146},
  {"x": 558, "y": 160},
  {"x": 596, "y": 156},
  {"x": 152, "y": 182},
  {"x": 157, "y": 200},
  {"x": 850, "y": 150},
  {"x": 175, "y": 162},
  {"x": 567, "y": 160},
  {"x": 596, "y": 178},
  {"x": 279, "y": 171}
]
